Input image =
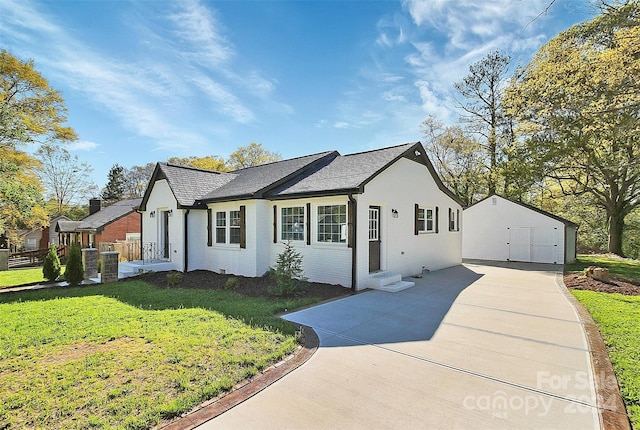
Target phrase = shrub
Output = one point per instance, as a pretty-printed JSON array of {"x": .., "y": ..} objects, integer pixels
[
  {"x": 288, "y": 272},
  {"x": 51, "y": 264},
  {"x": 74, "y": 273},
  {"x": 231, "y": 284},
  {"x": 174, "y": 278}
]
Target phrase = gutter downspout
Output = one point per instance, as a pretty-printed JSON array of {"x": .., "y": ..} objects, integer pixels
[
  {"x": 186, "y": 241},
  {"x": 354, "y": 254}
]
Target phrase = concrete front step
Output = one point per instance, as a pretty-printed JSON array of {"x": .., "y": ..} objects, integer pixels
[
  {"x": 387, "y": 281},
  {"x": 396, "y": 286}
]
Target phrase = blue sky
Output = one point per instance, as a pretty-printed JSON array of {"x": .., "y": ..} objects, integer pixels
[{"x": 147, "y": 80}]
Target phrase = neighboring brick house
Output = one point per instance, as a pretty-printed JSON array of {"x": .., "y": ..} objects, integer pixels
[
  {"x": 351, "y": 217},
  {"x": 117, "y": 222}
]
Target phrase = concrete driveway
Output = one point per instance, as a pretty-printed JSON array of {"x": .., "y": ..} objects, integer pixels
[{"x": 472, "y": 346}]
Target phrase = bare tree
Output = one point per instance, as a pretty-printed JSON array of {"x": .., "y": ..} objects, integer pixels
[
  {"x": 482, "y": 90},
  {"x": 65, "y": 178}
]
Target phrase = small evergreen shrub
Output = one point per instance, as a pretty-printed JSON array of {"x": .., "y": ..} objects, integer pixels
[
  {"x": 288, "y": 272},
  {"x": 51, "y": 265},
  {"x": 174, "y": 278},
  {"x": 231, "y": 284},
  {"x": 74, "y": 273}
]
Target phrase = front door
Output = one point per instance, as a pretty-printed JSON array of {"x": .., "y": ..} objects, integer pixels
[
  {"x": 165, "y": 234},
  {"x": 374, "y": 238}
]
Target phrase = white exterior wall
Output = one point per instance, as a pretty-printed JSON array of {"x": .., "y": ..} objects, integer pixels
[
  {"x": 570, "y": 244},
  {"x": 162, "y": 199},
  {"x": 487, "y": 229},
  {"x": 230, "y": 258},
  {"x": 328, "y": 263},
  {"x": 400, "y": 187},
  {"x": 197, "y": 230}
]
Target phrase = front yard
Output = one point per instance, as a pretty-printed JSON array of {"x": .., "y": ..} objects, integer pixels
[
  {"x": 130, "y": 354},
  {"x": 618, "y": 318}
]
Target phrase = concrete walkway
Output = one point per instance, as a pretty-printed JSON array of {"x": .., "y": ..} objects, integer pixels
[{"x": 472, "y": 346}]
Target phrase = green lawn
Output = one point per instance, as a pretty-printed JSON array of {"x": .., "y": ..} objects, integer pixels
[
  {"x": 129, "y": 354},
  {"x": 13, "y": 277},
  {"x": 618, "y": 318},
  {"x": 624, "y": 267}
]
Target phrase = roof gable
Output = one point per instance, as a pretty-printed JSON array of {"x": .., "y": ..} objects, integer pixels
[
  {"x": 187, "y": 184},
  {"x": 350, "y": 173},
  {"x": 526, "y": 206}
]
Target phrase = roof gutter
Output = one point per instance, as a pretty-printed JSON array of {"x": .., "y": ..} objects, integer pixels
[{"x": 354, "y": 253}]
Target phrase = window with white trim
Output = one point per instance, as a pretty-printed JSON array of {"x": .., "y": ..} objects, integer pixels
[
  {"x": 332, "y": 223},
  {"x": 221, "y": 227},
  {"x": 234, "y": 227},
  {"x": 454, "y": 220},
  {"x": 292, "y": 223}
]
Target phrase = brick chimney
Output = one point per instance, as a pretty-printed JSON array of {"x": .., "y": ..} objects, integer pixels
[{"x": 94, "y": 206}]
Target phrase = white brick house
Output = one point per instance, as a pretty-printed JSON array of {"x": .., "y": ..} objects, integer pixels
[{"x": 349, "y": 216}]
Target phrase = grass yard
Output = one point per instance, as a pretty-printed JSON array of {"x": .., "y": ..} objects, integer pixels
[
  {"x": 129, "y": 354},
  {"x": 617, "y": 266},
  {"x": 618, "y": 318},
  {"x": 13, "y": 277}
]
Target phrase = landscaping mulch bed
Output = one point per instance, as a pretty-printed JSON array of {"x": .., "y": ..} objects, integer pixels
[
  {"x": 252, "y": 287},
  {"x": 579, "y": 281}
]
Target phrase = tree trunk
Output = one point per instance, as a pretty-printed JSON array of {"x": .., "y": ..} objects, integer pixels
[{"x": 616, "y": 227}]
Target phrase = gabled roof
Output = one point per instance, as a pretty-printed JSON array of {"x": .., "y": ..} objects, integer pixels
[
  {"x": 257, "y": 181},
  {"x": 350, "y": 173},
  {"x": 325, "y": 173},
  {"x": 66, "y": 226},
  {"x": 187, "y": 184},
  {"x": 533, "y": 208},
  {"x": 108, "y": 214}
]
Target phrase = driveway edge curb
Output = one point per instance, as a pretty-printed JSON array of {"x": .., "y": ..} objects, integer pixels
[
  {"x": 247, "y": 389},
  {"x": 611, "y": 408}
]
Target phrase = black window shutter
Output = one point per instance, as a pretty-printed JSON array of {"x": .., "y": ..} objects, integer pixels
[
  {"x": 243, "y": 226},
  {"x": 209, "y": 228},
  {"x": 437, "y": 219},
  {"x": 308, "y": 223},
  {"x": 275, "y": 224},
  {"x": 449, "y": 219},
  {"x": 457, "y": 219},
  {"x": 415, "y": 219}
]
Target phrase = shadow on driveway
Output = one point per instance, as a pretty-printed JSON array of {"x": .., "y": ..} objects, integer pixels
[{"x": 377, "y": 317}]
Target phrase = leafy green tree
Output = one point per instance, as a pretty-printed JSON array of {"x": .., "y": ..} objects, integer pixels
[
  {"x": 51, "y": 265},
  {"x": 210, "y": 162},
  {"x": 115, "y": 188},
  {"x": 251, "y": 155},
  {"x": 136, "y": 179},
  {"x": 457, "y": 157},
  {"x": 66, "y": 179},
  {"x": 74, "y": 272},
  {"x": 578, "y": 103}
]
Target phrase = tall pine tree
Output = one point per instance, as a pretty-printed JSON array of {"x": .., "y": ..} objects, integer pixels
[{"x": 115, "y": 188}]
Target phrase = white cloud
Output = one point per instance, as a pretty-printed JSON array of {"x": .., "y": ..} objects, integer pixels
[
  {"x": 342, "y": 124},
  {"x": 82, "y": 145},
  {"x": 224, "y": 99}
]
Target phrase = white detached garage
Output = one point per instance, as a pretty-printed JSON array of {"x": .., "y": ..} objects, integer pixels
[{"x": 499, "y": 229}]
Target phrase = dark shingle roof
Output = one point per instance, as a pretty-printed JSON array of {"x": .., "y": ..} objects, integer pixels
[
  {"x": 189, "y": 184},
  {"x": 254, "y": 181},
  {"x": 348, "y": 172},
  {"x": 66, "y": 226},
  {"x": 108, "y": 214}
]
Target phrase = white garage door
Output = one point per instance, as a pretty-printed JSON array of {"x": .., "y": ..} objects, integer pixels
[{"x": 533, "y": 244}]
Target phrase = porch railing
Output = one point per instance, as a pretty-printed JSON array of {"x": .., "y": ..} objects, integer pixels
[{"x": 152, "y": 251}]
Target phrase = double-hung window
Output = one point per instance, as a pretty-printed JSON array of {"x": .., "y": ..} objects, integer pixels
[
  {"x": 424, "y": 220},
  {"x": 221, "y": 227},
  {"x": 292, "y": 225},
  {"x": 332, "y": 223},
  {"x": 454, "y": 220},
  {"x": 234, "y": 227}
]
